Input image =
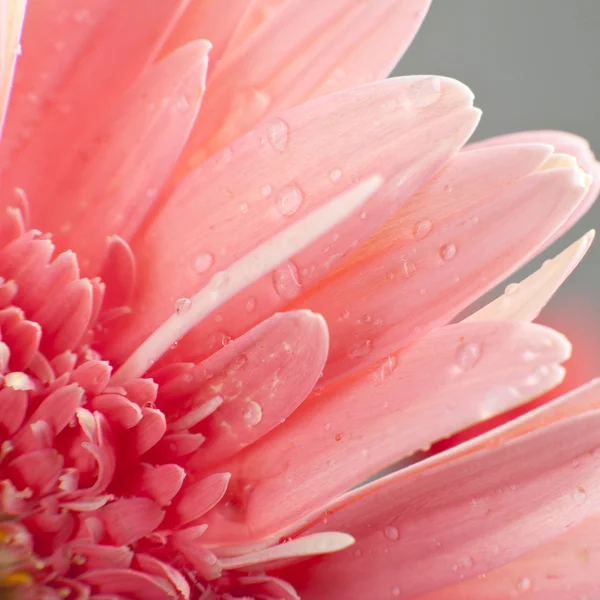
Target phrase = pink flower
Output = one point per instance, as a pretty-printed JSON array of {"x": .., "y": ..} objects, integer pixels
[{"x": 241, "y": 313}]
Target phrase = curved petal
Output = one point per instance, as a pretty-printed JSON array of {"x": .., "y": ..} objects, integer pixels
[
  {"x": 565, "y": 143},
  {"x": 465, "y": 231},
  {"x": 464, "y": 518},
  {"x": 299, "y": 49},
  {"x": 11, "y": 22},
  {"x": 523, "y": 301},
  {"x": 274, "y": 176},
  {"x": 127, "y": 166},
  {"x": 348, "y": 431},
  {"x": 566, "y": 567},
  {"x": 78, "y": 58},
  {"x": 260, "y": 379}
]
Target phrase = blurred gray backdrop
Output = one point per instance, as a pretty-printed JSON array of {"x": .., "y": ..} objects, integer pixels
[{"x": 532, "y": 64}]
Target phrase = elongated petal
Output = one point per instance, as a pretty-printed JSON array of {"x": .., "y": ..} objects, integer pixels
[
  {"x": 78, "y": 58},
  {"x": 12, "y": 14},
  {"x": 348, "y": 431},
  {"x": 566, "y": 567},
  {"x": 449, "y": 244},
  {"x": 276, "y": 175},
  {"x": 299, "y": 50},
  {"x": 247, "y": 270},
  {"x": 565, "y": 143},
  {"x": 132, "y": 158},
  {"x": 463, "y": 518},
  {"x": 523, "y": 301},
  {"x": 260, "y": 379}
]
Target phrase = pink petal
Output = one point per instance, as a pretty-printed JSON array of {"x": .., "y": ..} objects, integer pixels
[
  {"x": 566, "y": 567},
  {"x": 78, "y": 58},
  {"x": 161, "y": 483},
  {"x": 65, "y": 317},
  {"x": 421, "y": 122},
  {"x": 198, "y": 498},
  {"x": 249, "y": 269},
  {"x": 302, "y": 49},
  {"x": 102, "y": 556},
  {"x": 308, "y": 545},
  {"x": 13, "y": 407},
  {"x": 348, "y": 431},
  {"x": 38, "y": 470},
  {"x": 565, "y": 143},
  {"x": 174, "y": 446},
  {"x": 464, "y": 518},
  {"x": 118, "y": 410},
  {"x": 11, "y": 17},
  {"x": 118, "y": 272},
  {"x": 206, "y": 20},
  {"x": 440, "y": 252},
  {"x": 92, "y": 376},
  {"x": 260, "y": 379},
  {"x": 135, "y": 584},
  {"x": 130, "y": 159},
  {"x": 59, "y": 408},
  {"x": 148, "y": 432},
  {"x": 129, "y": 519},
  {"x": 156, "y": 567},
  {"x": 523, "y": 301}
]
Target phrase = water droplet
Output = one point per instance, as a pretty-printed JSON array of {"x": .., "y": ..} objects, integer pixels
[
  {"x": 252, "y": 413},
  {"x": 511, "y": 288},
  {"x": 391, "y": 533},
  {"x": 244, "y": 208},
  {"x": 203, "y": 262},
  {"x": 467, "y": 562},
  {"x": 360, "y": 349},
  {"x": 288, "y": 200},
  {"x": 395, "y": 591},
  {"x": 266, "y": 190},
  {"x": 277, "y": 134},
  {"x": 358, "y": 553},
  {"x": 467, "y": 355},
  {"x": 327, "y": 426},
  {"x": 18, "y": 49},
  {"x": 524, "y": 584},
  {"x": 424, "y": 92},
  {"x": 422, "y": 229},
  {"x": 408, "y": 269},
  {"x": 388, "y": 364},
  {"x": 363, "y": 215},
  {"x": 182, "y": 305},
  {"x": 335, "y": 175},
  {"x": 448, "y": 189},
  {"x": 250, "y": 304},
  {"x": 447, "y": 251},
  {"x": 286, "y": 281}
]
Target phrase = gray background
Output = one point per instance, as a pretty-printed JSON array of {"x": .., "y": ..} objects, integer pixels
[{"x": 532, "y": 64}]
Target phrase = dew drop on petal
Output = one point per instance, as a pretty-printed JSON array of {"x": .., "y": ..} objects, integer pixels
[
  {"x": 266, "y": 190},
  {"x": 335, "y": 175},
  {"x": 250, "y": 304},
  {"x": 511, "y": 288},
  {"x": 391, "y": 533},
  {"x": 424, "y": 92},
  {"x": 182, "y": 305},
  {"x": 288, "y": 200},
  {"x": 203, "y": 262},
  {"x": 524, "y": 584},
  {"x": 277, "y": 134},
  {"x": 252, "y": 413},
  {"x": 447, "y": 252},
  {"x": 579, "y": 495},
  {"x": 363, "y": 215},
  {"x": 408, "y": 269},
  {"x": 286, "y": 281},
  {"x": 395, "y": 591},
  {"x": 467, "y": 355},
  {"x": 422, "y": 229}
]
